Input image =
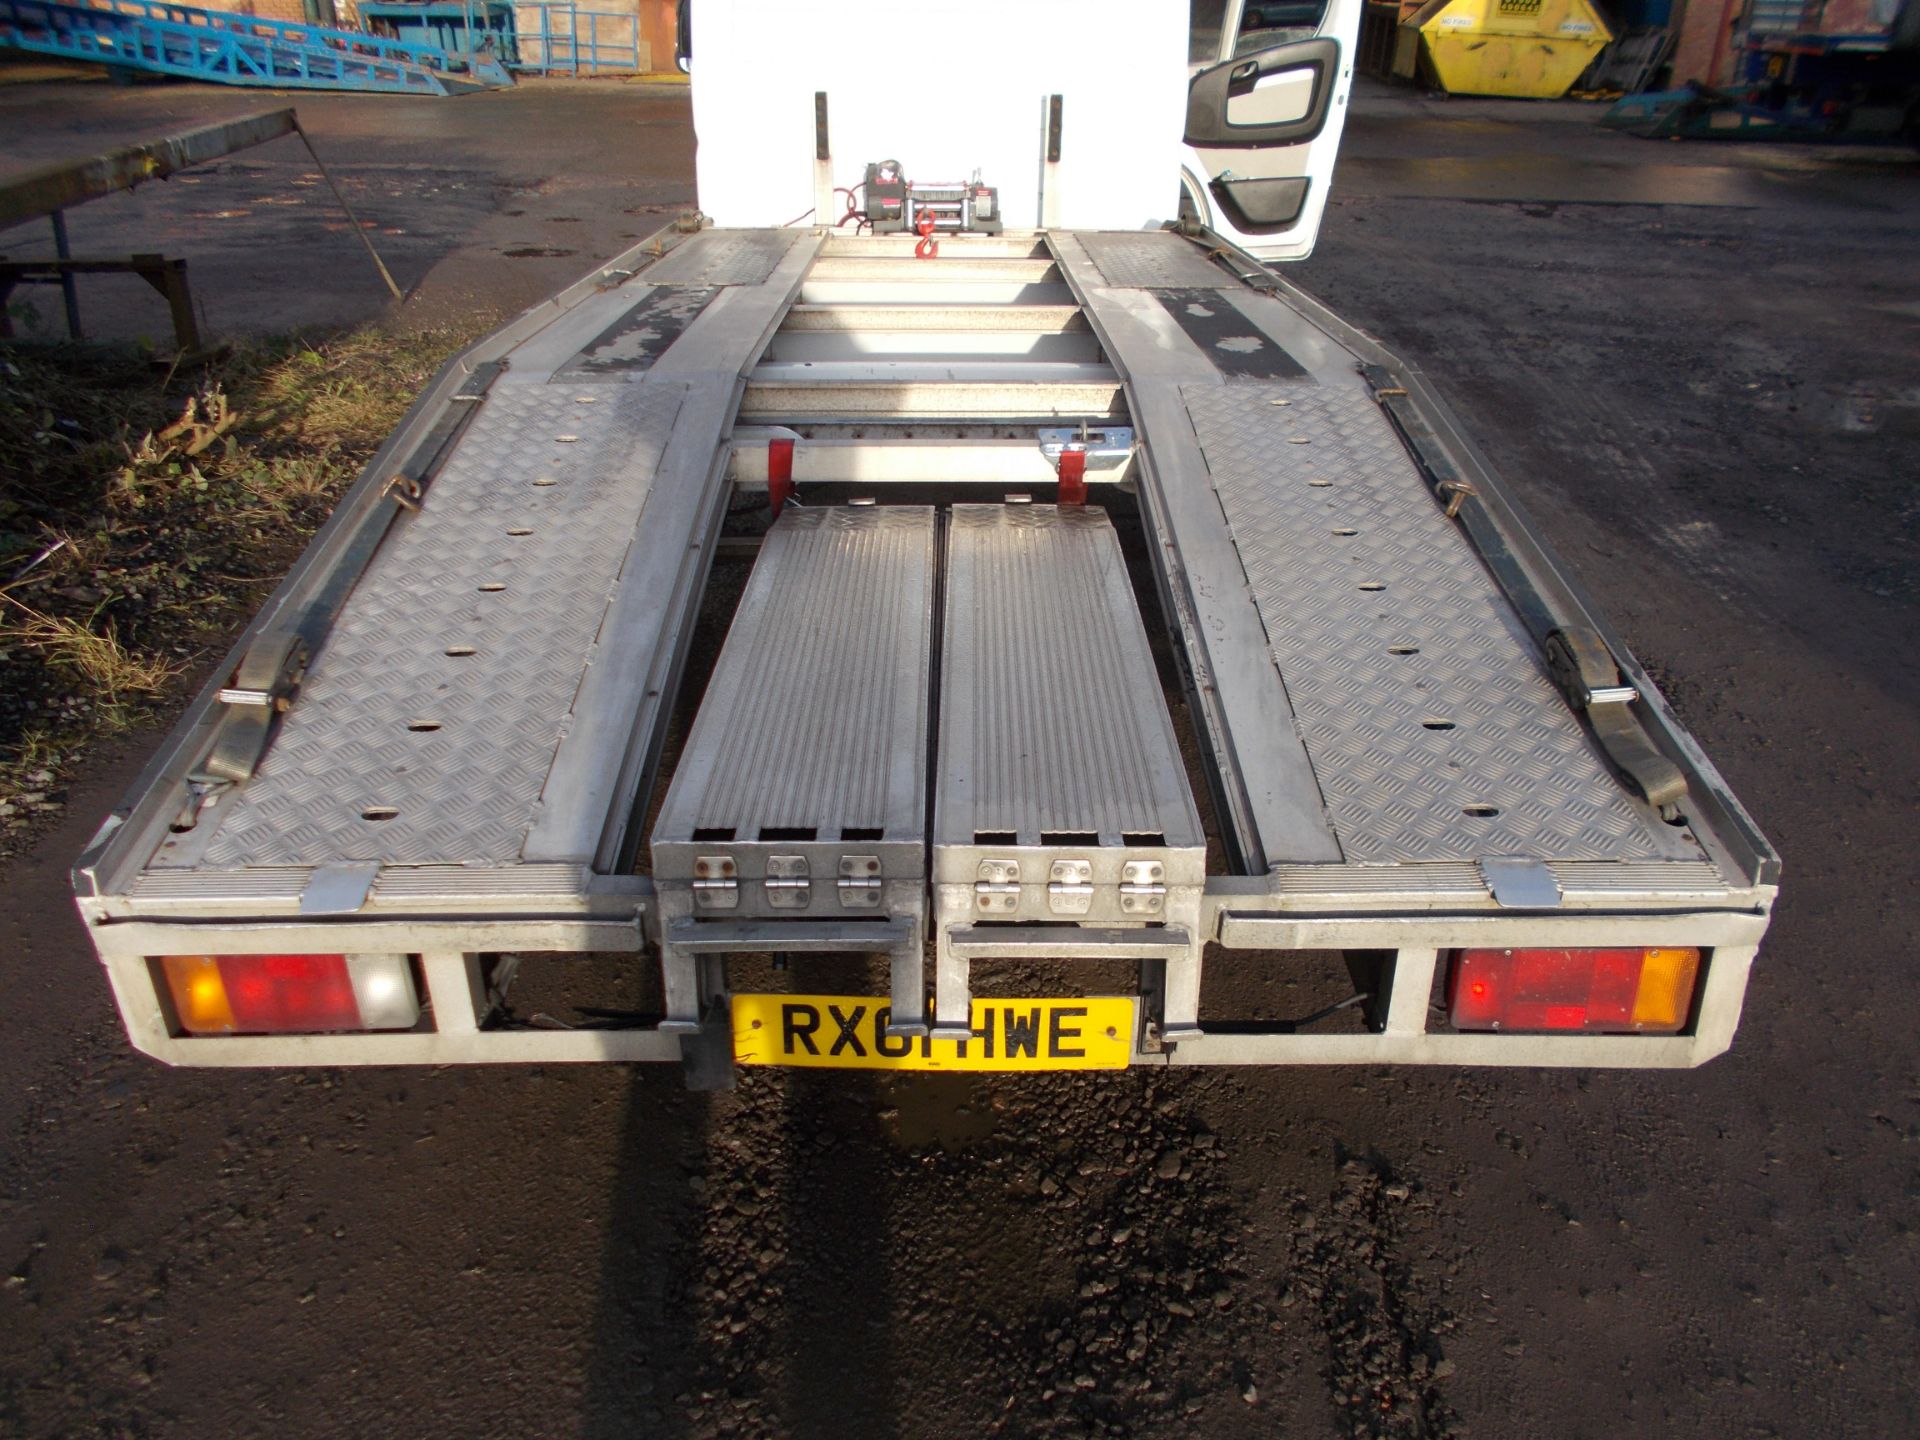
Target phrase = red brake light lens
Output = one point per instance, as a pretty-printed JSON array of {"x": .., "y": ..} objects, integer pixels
[
  {"x": 290, "y": 994},
  {"x": 1647, "y": 991}
]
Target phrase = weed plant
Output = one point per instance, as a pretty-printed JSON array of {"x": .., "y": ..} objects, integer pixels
[{"x": 145, "y": 514}]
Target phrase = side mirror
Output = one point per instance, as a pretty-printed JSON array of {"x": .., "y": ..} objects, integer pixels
[
  {"x": 683, "y": 37},
  {"x": 1272, "y": 97}
]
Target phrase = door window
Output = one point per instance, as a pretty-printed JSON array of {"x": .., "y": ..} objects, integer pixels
[
  {"x": 1205, "y": 20},
  {"x": 1267, "y": 23}
]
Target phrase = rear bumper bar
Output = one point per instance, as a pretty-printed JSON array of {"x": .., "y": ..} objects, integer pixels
[{"x": 455, "y": 1030}]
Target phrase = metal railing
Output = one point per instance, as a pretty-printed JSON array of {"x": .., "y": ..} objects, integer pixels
[
  {"x": 551, "y": 50},
  {"x": 216, "y": 46}
]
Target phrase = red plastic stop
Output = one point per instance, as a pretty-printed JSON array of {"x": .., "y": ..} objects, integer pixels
[
  {"x": 1073, "y": 477},
  {"x": 779, "y": 474}
]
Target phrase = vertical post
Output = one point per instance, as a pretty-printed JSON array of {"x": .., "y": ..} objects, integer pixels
[
  {"x": 908, "y": 986},
  {"x": 1180, "y": 999},
  {"x": 952, "y": 989},
  {"x": 455, "y": 990},
  {"x": 68, "y": 291},
  {"x": 1411, "y": 992},
  {"x": 823, "y": 196},
  {"x": 169, "y": 277},
  {"x": 1050, "y": 122}
]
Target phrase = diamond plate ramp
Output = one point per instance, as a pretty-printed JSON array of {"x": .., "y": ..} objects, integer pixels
[
  {"x": 1150, "y": 259},
  {"x": 1433, "y": 731},
  {"x": 722, "y": 257},
  {"x": 428, "y": 722}
]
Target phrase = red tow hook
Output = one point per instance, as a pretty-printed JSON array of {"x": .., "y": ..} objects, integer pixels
[{"x": 928, "y": 248}]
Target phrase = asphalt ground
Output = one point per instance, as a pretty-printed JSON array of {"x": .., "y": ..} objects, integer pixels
[{"x": 1700, "y": 368}]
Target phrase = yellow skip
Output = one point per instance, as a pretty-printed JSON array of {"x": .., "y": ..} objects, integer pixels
[{"x": 1534, "y": 49}]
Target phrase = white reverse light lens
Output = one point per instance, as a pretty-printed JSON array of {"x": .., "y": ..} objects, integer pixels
[{"x": 383, "y": 988}]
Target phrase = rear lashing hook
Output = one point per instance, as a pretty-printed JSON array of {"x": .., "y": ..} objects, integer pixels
[{"x": 928, "y": 248}]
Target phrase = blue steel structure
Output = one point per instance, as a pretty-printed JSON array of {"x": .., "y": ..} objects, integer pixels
[
  {"x": 460, "y": 27},
  {"x": 577, "y": 45},
  {"x": 228, "y": 49}
]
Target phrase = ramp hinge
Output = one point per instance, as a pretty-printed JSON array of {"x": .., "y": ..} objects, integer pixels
[
  {"x": 1070, "y": 887},
  {"x": 997, "y": 891},
  {"x": 860, "y": 885},
  {"x": 716, "y": 883},
  {"x": 1143, "y": 889},
  {"x": 789, "y": 884}
]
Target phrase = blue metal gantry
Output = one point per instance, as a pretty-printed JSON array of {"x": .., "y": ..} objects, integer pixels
[{"x": 229, "y": 49}]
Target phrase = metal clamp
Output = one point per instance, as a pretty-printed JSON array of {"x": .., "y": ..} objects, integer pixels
[
  {"x": 1456, "y": 493},
  {"x": 233, "y": 695},
  {"x": 1584, "y": 670},
  {"x": 263, "y": 685},
  {"x": 1613, "y": 695},
  {"x": 1107, "y": 448},
  {"x": 404, "y": 491}
]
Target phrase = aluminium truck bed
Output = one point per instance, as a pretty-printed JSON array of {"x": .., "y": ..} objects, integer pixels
[{"x": 439, "y": 738}]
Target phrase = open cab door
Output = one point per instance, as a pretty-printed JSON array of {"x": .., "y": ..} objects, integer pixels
[{"x": 1266, "y": 103}]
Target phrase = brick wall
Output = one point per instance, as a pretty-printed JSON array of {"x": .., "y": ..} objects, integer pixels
[
  {"x": 293, "y": 10},
  {"x": 1701, "y": 50}
]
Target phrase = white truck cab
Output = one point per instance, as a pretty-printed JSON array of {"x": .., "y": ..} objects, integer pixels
[
  {"x": 1251, "y": 123},
  {"x": 1268, "y": 85}
]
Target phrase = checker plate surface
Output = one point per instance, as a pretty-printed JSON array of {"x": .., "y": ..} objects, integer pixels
[
  {"x": 722, "y": 257},
  {"x": 1396, "y": 789},
  {"x": 1151, "y": 259},
  {"x": 466, "y": 792}
]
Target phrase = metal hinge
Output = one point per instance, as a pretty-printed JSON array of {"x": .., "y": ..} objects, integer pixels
[
  {"x": 1070, "y": 887},
  {"x": 1143, "y": 889},
  {"x": 788, "y": 884},
  {"x": 716, "y": 883},
  {"x": 860, "y": 885},
  {"x": 997, "y": 891}
]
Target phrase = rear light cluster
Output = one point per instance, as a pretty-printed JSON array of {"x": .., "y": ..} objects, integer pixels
[
  {"x": 1636, "y": 991},
  {"x": 291, "y": 994}
]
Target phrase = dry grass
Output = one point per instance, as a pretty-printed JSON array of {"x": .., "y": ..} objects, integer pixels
[
  {"x": 143, "y": 516},
  {"x": 95, "y": 657}
]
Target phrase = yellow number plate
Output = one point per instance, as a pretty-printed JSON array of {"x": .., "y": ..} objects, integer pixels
[{"x": 850, "y": 1032}]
